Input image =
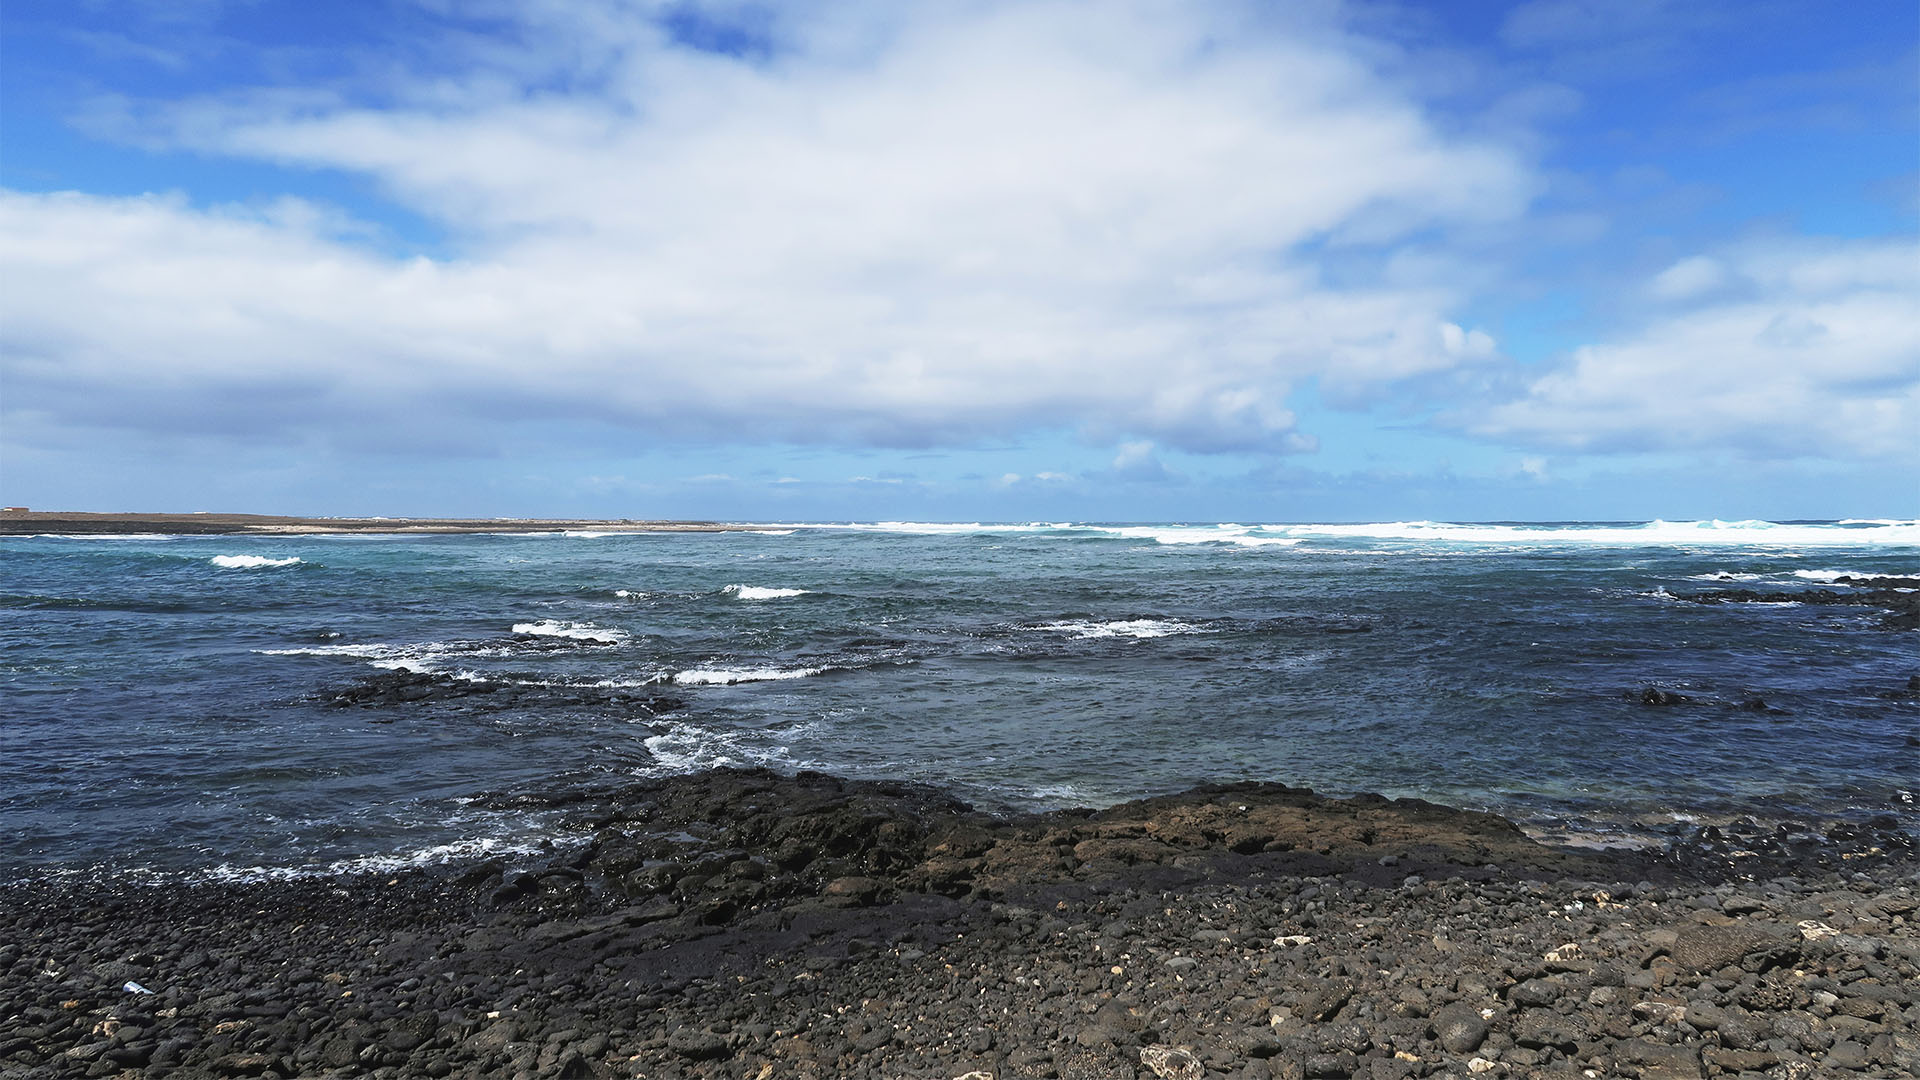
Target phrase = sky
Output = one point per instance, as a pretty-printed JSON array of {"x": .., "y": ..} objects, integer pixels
[{"x": 1108, "y": 261}]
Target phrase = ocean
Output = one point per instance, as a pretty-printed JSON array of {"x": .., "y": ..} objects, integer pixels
[{"x": 265, "y": 706}]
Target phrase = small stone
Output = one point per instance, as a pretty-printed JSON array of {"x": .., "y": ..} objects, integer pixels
[
  {"x": 1329, "y": 1066},
  {"x": 1705, "y": 1016},
  {"x": 1709, "y": 948},
  {"x": 1662, "y": 1061},
  {"x": 1847, "y": 1054},
  {"x": 1459, "y": 1027},
  {"x": 1172, "y": 1063},
  {"x": 1544, "y": 1028},
  {"x": 1326, "y": 1002},
  {"x": 1095, "y": 1036},
  {"x": 1734, "y": 1061},
  {"x": 853, "y": 891},
  {"x": 1660, "y": 1013},
  {"x": 1481, "y": 1065},
  {"x": 1535, "y": 993},
  {"x": 690, "y": 1042}
]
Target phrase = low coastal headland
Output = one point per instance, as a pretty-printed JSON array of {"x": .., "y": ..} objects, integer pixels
[
  {"x": 17, "y": 522},
  {"x": 745, "y": 924}
]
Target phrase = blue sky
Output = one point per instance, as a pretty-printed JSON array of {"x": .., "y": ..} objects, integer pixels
[{"x": 1213, "y": 261}]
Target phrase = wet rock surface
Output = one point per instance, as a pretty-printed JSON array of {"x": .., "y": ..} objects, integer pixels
[
  {"x": 1898, "y": 598},
  {"x": 406, "y": 687},
  {"x": 742, "y": 924}
]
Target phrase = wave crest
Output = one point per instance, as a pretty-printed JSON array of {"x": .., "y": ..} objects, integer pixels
[
  {"x": 571, "y": 630},
  {"x": 755, "y": 592},
  {"x": 732, "y": 676},
  {"x": 251, "y": 562},
  {"x": 1872, "y": 532},
  {"x": 1132, "y": 628}
]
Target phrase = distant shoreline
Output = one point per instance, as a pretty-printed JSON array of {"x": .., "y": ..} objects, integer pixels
[{"x": 37, "y": 522}]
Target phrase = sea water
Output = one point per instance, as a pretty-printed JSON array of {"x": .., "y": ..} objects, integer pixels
[{"x": 171, "y": 703}]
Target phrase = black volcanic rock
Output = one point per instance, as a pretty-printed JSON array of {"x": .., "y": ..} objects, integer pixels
[
  {"x": 1900, "y": 605},
  {"x": 814, "y": 926},
  {"x": 405, "y": 687}
]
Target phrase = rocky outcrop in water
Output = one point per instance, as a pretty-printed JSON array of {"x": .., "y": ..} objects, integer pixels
[
  {"x": 1894, "y": 596},
  {"x": 403, "y": 687}
]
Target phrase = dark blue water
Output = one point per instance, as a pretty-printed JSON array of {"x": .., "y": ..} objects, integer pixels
[{"x": 168, "y": 700}]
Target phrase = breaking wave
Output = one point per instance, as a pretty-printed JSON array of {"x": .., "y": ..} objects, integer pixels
[
  {"x": 572, "y": 630},
  {"x": 1132, "y": 628},
  {"x": 1755, "y": 533},
  {"x": 433, "y": 855},
  {"x": 250, "y": 562},
  {"x": 731, "y": 676},
  {"x": 754, "y": 592}
]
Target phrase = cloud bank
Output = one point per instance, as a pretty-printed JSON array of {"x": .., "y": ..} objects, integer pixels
[
  {"x": 1781, "y": 349},
  {"x": 932, "y": 225},
  {"x": 928, "y": 226}
]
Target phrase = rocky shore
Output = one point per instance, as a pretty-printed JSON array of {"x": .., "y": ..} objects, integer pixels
[{"x": 746, "y": 925}]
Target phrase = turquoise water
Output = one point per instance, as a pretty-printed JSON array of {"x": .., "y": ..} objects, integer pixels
[{"x": 168, "y": 700}]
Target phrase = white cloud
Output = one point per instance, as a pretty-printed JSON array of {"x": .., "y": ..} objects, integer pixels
[
  {"x": 1688, "y": 278},
  {"x": 1466, "y": 344},
  {"x": 1816, "y": 353},
  {"x": 1138, "y": 461},
  {"x": 900, "y": 229}
]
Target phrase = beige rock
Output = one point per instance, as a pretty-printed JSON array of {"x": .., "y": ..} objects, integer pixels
[{"x": 1172, "y": 1062}]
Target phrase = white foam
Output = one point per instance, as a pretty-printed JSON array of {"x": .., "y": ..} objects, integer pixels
[
  {"x": 1661, "y": 533},
  {"x": 1133, "y": 628},
  {"x": 730, "y": 676},
  {"x": 434, "y": 855},
  {"x": 372, "y": 651},
  {"x": 587, "y": 534},
  {"x": 754, "y": 592},
  {"x": 1835, "y": 575},
  {"x": 1238, "y": 535},
  {"x": 419, "y": 658},
  {"x": 571, "y": 630},
  {"x": 250, "y": 562},
  {"x": 628, "y": 594},
  {"x": 934, "y": 528},
  {"x": 686, "y": 748},
  {"x": 422, "y": 657},
  {"x": 1865, "y": 532},
  {"x": 1063, "y": 794},
  {"x": 1726, "y": 575}
]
